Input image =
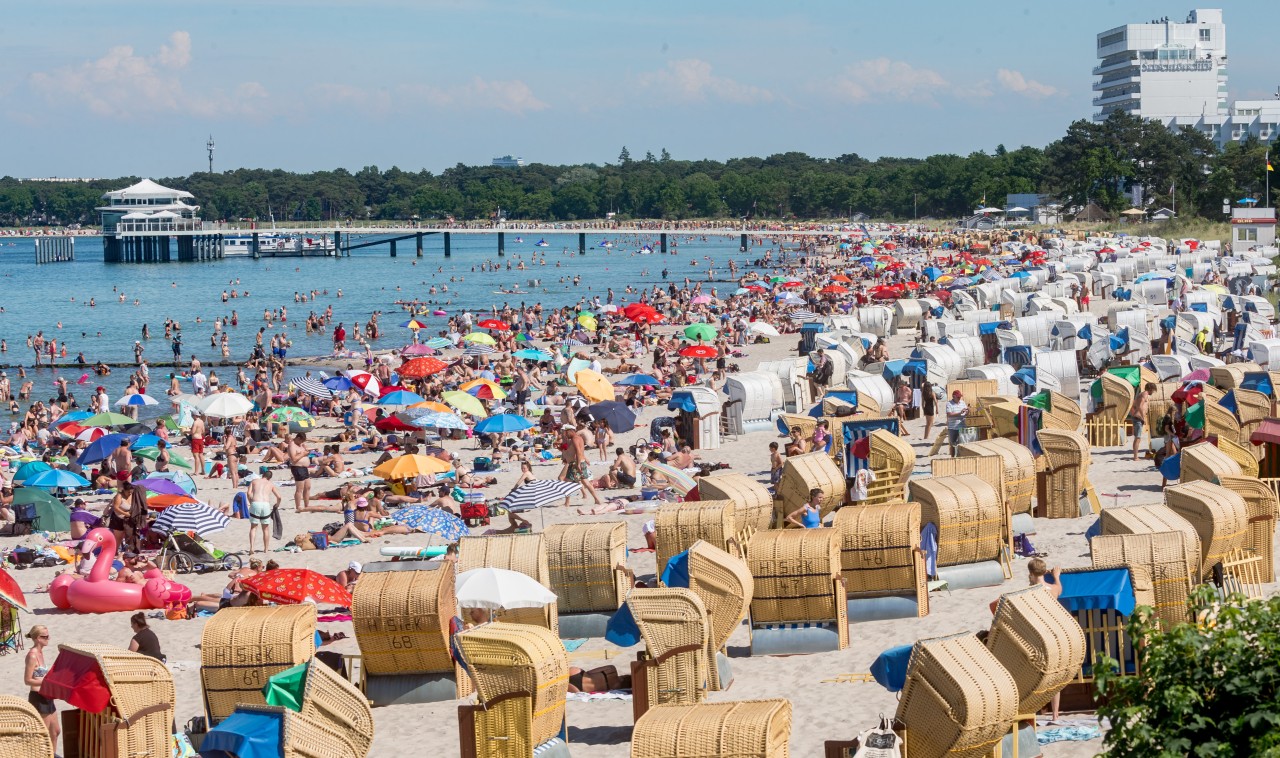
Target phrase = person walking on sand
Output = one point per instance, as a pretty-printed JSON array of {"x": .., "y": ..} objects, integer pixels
[
  {"x": 33, "y": 677},
  {"x": 300, "y": 467},
  {"x": 577, "y": 465},
  {"x": 957, "y": 409},
  {"x": 197, "y": 444},
  {"x": 261, "y": 491},
  {"x": 1138, "y": 415}
]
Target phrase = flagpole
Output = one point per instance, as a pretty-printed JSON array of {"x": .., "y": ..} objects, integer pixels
[{"x": 1268, "y": 173}]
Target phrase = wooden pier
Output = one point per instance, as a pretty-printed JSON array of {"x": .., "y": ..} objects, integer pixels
[{"x": 55, "y": 249}]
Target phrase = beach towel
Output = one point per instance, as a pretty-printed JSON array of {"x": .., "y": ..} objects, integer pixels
[
  {"x": 572, "y": 645},
  {"x": 929, "y": 543}
]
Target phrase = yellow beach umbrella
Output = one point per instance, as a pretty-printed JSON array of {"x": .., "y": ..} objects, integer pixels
[
  {"x": 588, "y": 322},
  {"x": 1217, "y": 289},
  {"x": 480, "y": 338},
  {"x": 433, "y": 405},
  {"x": 411, "y": 465},
  {"x": 491, "y": 384},
  {"x": 465, "y": 403},
  {"x": 593, "y": 385}
]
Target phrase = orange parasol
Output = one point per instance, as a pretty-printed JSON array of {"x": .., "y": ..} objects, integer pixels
[
  {"x": 421, "y": 367},
  {"x": 292, "y": 586},
  {"x": 411, "y": 465},
  {"x": 593, "y": 386},
  {"x": 433, "y": 405},
  {"x": 160, "y": 502}
]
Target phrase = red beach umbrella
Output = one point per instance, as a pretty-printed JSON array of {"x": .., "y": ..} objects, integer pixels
[
  {"x": 421, "y": 367},
  {"x": 292, "y": 586},
  {"x": 10, "y": 592},
  {"x": 494, "y": 324},
  {"x": 834, "y": 289},
  {"x": 699, "y": 351}
]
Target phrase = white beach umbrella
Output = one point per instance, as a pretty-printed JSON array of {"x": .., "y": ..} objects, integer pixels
[
  {"x": 498, "y": 589},
  {"x": 765, "y": 328},
  {"x": 224, "y": 405}
]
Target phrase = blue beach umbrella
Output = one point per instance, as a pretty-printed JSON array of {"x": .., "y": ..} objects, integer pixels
[
  {"x": 532, "y": 354},
  {"x": 439, "y": 343},
  {"x": 400, "y": 397},
  {"x": 146, "y": 440},
  {"x": 502, "y": 423},
  {"x": 74, "y": 416},
  {"x": 432, "y": 521},
  {"x": 57, "y": 479},
  {"x": 29, "y": 469},
  {"x": 99, "y": 449},
  {"x": 425, "y": 418},
  {"x": 933, "y": 272},
  {"x": 337, "y": 384},
  {"x": 638, "y": 380},
  {"x": 616, "y": 415}
]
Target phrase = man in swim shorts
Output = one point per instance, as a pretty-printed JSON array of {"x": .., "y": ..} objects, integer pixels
[
  {"x": 300, "y": 467},
  {"x": 261, "y": 491}
]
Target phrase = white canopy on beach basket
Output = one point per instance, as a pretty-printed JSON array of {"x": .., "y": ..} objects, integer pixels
[
  {"x": 224, "y": 405},
  {"x": 498, "y": 589}
]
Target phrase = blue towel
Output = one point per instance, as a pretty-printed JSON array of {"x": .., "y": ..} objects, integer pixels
[
  {"x": 929, "y": 543},
  {"x": 572, "y": 645}
]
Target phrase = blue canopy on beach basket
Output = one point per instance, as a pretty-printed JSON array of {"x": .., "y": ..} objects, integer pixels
[
  {"x": 1258, "y": 381},
  {"x": 682, "y": 401},
  {"x": 890, "y": 667},
  {"x": 1100, "y": 589},
  {"x": 676, "y": 574},
  {"x": 246, "y": 734},
  {"x": 622, "y": 629},
  {"x": 1171, "y": 468}
]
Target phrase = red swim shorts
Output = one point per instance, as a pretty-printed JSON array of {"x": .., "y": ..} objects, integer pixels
[{"x": 197, "y": 444}]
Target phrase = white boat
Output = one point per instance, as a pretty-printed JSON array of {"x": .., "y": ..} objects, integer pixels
[
  {"x": 606, "y": 244},
  {"x": 276, "y": 244}
]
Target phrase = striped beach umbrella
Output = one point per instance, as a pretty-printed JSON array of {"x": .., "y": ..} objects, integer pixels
[
  {"x": 191, "y": 517},
  {"x": 676, "y": 479},
  {"x": 425, "y": 418},
  {"x": 803, "y": 316},
  {"x": 312, "y": 386},
  {"x": 539, "y": 493},
  {"x": 478, "y": 349},
  {"x": 439, "y": 343},
  {"x": 136, "y": 399}
]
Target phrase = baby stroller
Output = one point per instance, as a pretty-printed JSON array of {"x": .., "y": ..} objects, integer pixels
[{"x": 184, "y": 552}]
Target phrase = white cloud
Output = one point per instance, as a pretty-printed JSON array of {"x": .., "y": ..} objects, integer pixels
[
  {"x": 1015, "y": 82},
  {"x": 511, "y": 95},
  {"x": 691, "y": 79},
  {"x": 885, "y": 79},
  {"x": 124, "y": 84}
]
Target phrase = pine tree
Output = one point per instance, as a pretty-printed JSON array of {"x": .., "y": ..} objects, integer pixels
[
  {"x": 664, "y": 156},
  {"x": 624, "y": 157}
]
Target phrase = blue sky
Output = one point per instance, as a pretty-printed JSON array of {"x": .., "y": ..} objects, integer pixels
[{"x": 92, "y": 88}]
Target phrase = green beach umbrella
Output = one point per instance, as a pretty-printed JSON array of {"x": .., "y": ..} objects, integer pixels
[
  {"x": 51, "y": 514},
  {"x": 700, "y": 331},
  {"x": 465, "y": 403},
  {"x": 152, "y": 453},
  {"x": 288, "y": 414},
  {"x": 480, "y": 338},
  {"x": 28, "y": 495},
  {"x": 107, "y": 419}
]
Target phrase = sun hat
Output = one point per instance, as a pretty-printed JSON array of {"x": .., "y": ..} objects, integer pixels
[{"x": 355, "y": 566}]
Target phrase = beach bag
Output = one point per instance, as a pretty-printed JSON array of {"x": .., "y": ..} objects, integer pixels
[
  {"x": 879, "y": 742},
  {"x": 320, "y": 540},
  {"x": 475, "y": 514}
]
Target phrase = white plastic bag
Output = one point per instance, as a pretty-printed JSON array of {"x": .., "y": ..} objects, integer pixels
[{"x": 879, "y": 742}]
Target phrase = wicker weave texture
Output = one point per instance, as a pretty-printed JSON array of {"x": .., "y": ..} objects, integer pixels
[
  {"x": 1064, "y": 413},
  {"x": 724, "y": 584},
  {"x": 1019, "y": 469},
  {"x": 1117, "y": 397},
  {"x": 1230, "y": 376},
  {"x": 333, "y": 701},
  {"x": 800, "y": 473},
  {"x": 136, "y": 682},
  {"x": 583, "y": 560},
  {"x": 1039, "y": 642},
  {"x": 1241, "y": 453},
  {"x": 796, "y": 576},
  {"x": 878, "y": 554},
  {"x": 679, "y": 525},
  {"x": 1163, "y": 557},
  {"x": 975, "y": 388},
  {"x": 891, "y": 452},
  {"x": 1220, "y": 421},
  {"x": 1067, "y": 453},
  {"x": 736, "y": 729},
  {"x": 1003, "y": 412},
  {"x": 1261, "y": 502},
  {"x": 402, "y": 618},
  {"x": 753, "y": 505},
  {"x": 526, "y": 553},
  {"x": 241, "y": 648},
  {"x": 972, "y": 521},
  {"x": 671, "y": 618},
  {"x": 1219, "y": 516},
  {"x": 1151, "y": 518},
  {"x": 307, "y": 737},
  {"x": 988, "y": 468},
  {"x": 1252, "y": 407},
  {"x": 1205, "y": 462},
  {"x": 958, "y": 700},
  {"x": 518, "y": 658},
  {"x": 799, "y": 423},
  {"x": 22, "y": 731}
]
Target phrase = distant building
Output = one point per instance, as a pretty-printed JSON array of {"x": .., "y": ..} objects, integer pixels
[
  {"x": 1040, "y": 209},
  {"x": 508, "y": 161},
  {"x": 1252, "y": 227},
  {"x": 1260, "y": 118},
  {"x": 146, "y": 204},
  {"x": 1165, "y": 70}
]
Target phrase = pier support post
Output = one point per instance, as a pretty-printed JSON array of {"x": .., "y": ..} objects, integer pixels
[
  {"x": 419, "y": 245},
  {"x": 393, "y": 248},
  {"x": 742, "y": 246},
  {"x": 253, "y": 247},
  {"x": 662, "y": 240},
  {"x": 448, "y": 244},
  {"x": 337, "y": 243},
  {"x": 502, "y": 244},
  {"x": 582, "y": 243}
]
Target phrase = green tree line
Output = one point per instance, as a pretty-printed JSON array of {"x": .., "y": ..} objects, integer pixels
[{"x": 1091, "y": 163}]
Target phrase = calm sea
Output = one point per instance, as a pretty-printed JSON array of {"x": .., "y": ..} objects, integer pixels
[{"x": 54, "y": 297}]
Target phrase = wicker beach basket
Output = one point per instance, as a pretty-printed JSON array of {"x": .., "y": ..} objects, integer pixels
[
  {"x": 521, "y": 673},
  {"x": 1003, "y": 412},
  {"x": 526, "y": 553},
  {"x": 724, "y": 584},
  {"x": 401, "y": 619},
  {"x": 241, "y": 648},
  {"x": 738, "y": 729},
  {"x": 799, "y": 422},
  {"x": 958, "y": 701},
  {"x": 1252, "y": 408},
  {"x": 1203, "y": 461},
  {"x": 1039, "y": 642},
  {"x": 305, "y": 737},
  {"x": 797, "y": 578},
  {"x": 1063, "y": 413},
  {"x": 869, "y": 407},
  {"x": 1019, "y": 469},
  {"x": 975, "y": 388},
  {"x": 1242, "y": 454},
  {"x": 329, "y": 699},
  {"x": 679, "y": 525},
  {"x": 1221, "y": 422},
  {"x": 673, "y": 623},
  {"x": 892, "y": 453},
  {"x": 584, "y": 561},
  {"x": 22, "y": 731},
  {"x": 878, "y": 555},
  {"x": 1231, "y": 375},
  {"x": 139, "y": 719},
  {"x": 801, "y": 473},
  {"x": 1220, "y": 518},
  {"x": 1151, "y": 518},
  {"x": 1162, "y": 558},
  {"x": 753, "y": 505},
  {"x": 1067, "y": 472},
  {"x": 1117, "y": 398},
  {"x": 1261, "y": 502},
  {"x": 988, "y": 468},
  {"x": 972, "y": 522}
]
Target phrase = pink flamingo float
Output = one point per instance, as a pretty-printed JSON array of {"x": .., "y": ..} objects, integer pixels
[{"x": 97, "y": 593}]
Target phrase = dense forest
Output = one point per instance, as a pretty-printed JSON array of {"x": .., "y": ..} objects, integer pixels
[{"x": 1090, "y": 163}]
